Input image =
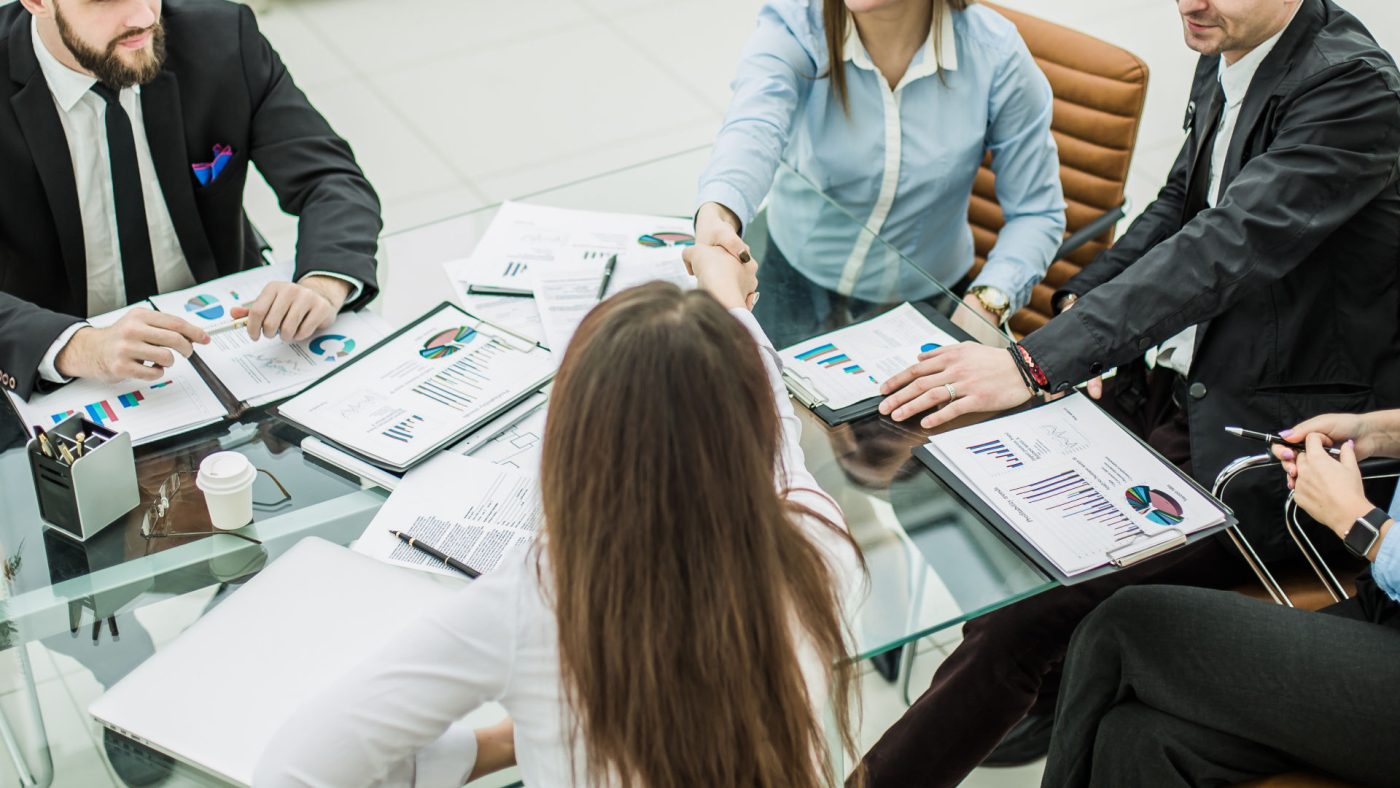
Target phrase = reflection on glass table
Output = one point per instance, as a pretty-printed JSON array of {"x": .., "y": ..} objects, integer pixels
[{"x": 932, "y": 565}]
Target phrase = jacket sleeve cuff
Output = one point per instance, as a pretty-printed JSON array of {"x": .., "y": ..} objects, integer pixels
[{"x": 1067, "y": 351}]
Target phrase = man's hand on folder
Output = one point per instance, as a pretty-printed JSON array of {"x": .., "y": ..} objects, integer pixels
[
  {"x": 139, "y": 346},
  {"x": 296, "y": 310},
  {"x": 956, "y": 379}
]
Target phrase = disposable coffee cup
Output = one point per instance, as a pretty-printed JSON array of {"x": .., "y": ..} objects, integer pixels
[{"x": 226, "y": 478}]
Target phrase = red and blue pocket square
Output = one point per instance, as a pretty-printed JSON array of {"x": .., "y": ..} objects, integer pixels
[{"x": 208, "y": 172}]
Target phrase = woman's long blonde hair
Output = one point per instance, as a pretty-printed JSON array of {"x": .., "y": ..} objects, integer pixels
[{"x": 682, "y": 582}]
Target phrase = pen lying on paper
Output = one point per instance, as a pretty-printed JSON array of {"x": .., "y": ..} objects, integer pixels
[
  {"x": 436, "y": 553},
  {"x": 1273, "y": 440}
]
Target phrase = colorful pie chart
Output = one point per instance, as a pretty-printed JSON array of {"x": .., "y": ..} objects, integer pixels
[
  {"x": 206, "y": 306},
  {"x": 1155, "y": 505},
  {"x": 658, "y": 240},
  {"x": 332, "y": 347},
  {"x": 447, "y": 343},
  {"x": 929, "y": 346}
]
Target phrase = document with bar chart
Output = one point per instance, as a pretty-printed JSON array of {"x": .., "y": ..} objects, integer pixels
[
  {"x": 847, "y": 366},
  {"x": 422, "y": 388},
  {"x": 178, "y": 402},
  {"x": 1074, "y": 483}
]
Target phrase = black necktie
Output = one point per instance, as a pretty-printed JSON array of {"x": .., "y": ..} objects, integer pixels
[
  {"x": 1198, "y": 192},
  {"x": 138, "y": 264}
]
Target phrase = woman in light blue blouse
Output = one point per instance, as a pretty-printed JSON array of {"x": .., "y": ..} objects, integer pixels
[
  {"x": 1184, "y": 686},
  {"x": 893, "y": 135}
]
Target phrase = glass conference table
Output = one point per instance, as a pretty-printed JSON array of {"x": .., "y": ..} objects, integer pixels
[{"x": 932, "y": 564}]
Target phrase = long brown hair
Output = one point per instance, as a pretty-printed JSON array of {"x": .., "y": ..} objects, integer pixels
[
  {"x": 835, "y": 18},
  {"x": 681, "y": 581}
]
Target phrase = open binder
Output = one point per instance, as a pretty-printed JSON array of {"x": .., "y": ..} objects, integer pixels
[
  {"x": 1167, "y": 540},
  {"x": 805, "y": 391},
  {"x": 405, "y": 399}
]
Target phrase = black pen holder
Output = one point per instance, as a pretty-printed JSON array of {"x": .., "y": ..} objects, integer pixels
[{"x": 80, "y": 499}]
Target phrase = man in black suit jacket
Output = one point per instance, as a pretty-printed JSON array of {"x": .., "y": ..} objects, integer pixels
[
  {"x": 1269, "y": 264},
  {"x": 144, "y": 91}
]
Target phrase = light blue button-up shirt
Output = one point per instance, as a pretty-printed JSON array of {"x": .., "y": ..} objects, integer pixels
[
  {"x": 902, "y": 162},
  {"x": 1386, "y": 569}
]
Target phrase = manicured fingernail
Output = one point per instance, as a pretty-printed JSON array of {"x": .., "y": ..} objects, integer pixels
[
  {"x": 1288, "y": 454},
  {"x": 1285, "y": 433},
  {"x": 1351, "y": 443},
  {"x": 744, "y": 257}
]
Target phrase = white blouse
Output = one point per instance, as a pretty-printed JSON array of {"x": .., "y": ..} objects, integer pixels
[{"x": 395, "y": 720}]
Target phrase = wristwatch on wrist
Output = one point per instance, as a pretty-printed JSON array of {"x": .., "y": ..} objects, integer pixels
[
  {"x": 1364, "y": 532},
  {"x": 992, "y": 300}
]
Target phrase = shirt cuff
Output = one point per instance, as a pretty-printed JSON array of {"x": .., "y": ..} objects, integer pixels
[
  {"x": 48, "y": 365},
  {"x": 729, "y": 197},
  {"x": 356, "y": 286},
  {"x": 1009, "y": 278},
  {"x": 1386, "y": 568},
  {"x": 448, "y": 760}
]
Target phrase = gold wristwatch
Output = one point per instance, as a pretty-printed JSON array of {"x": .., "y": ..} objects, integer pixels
[{"x": 992, "y": 300}]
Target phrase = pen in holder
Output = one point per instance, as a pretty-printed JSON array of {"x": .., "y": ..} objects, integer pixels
[{"x": 84, "y": 476}]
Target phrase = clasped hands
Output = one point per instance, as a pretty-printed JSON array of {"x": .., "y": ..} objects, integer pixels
[
  {"x": 143, "y": 343},
  {"x": 1327, "y": 488}
]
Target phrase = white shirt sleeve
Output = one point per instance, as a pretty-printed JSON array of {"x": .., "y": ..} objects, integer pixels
[
  {"x": 48, "y": 365},
  {"x": 394, "y": 720},
  {"x": 356, "y": 286}
]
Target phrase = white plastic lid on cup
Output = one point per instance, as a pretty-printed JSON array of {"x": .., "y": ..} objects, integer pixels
[{"x": 226, "y": 478}]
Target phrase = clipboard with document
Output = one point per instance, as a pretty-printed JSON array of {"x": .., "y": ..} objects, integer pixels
[
  {"x": 837, "y": 374},
  {"x": 422, "y": 388},
  {"x": 1072, "y": 490}
]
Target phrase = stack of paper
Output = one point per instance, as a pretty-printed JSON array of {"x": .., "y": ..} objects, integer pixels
[
  {"x": 567, "y": 293},
  {"x": 1074, "y": 482},
  {"x": 468, "y": 508}
]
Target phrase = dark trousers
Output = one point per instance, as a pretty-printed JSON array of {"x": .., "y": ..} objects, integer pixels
[
  {"x": 1169, "y": 686},
  {"x": 1009, "y": 658}
]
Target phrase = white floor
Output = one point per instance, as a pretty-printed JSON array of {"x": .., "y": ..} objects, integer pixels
[{"x": 456, "y": 104}]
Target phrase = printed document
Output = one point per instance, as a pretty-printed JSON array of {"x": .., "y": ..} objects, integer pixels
[
  {"x": 525, "y": 239},
  {"x": 567, "y": 293},
  {"x": 848, "y": 365},
  {"x": 1074, "y": 482},
  {"x": 178, "y": 402},
  {"x": 425, "y": 388},
  {"x": 466, "y": 507}
]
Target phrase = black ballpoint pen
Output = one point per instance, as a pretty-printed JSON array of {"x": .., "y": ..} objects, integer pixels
[
  {"x": 1273, "y": 440},
  {"x": 436, "y": 553},
  {"x": 607, "y": 276}
]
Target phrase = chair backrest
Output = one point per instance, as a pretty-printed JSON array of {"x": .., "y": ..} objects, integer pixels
[{"x": 1099, "y": 93}]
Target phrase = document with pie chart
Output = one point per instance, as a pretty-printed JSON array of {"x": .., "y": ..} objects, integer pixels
[
  {"x": 423, "y": 388},
  {"x": 266, "y": 370},
  {"x": 1074, "y": 482}
]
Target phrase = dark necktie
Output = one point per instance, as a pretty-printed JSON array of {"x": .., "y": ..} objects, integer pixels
[
  {"x": 138, "y": 264},
  {"x": 1198, "y": 192}
]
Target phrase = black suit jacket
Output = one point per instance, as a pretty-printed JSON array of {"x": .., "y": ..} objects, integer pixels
[
  {"x": 222, "y": 84},
  {"x": 1292, "y": 276}
]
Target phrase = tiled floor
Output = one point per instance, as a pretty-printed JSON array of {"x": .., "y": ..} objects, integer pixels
[{"x": 454, "y": 104}]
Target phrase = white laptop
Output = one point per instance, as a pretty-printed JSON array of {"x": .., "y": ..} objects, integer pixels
[{"x": 216, "y": 695}]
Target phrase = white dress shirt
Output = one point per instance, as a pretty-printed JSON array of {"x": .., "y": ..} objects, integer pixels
[
  {"x": 395, "y": 719},
  {"x": 1176, "y": 353},
  {"x": 83, "y": 116}
]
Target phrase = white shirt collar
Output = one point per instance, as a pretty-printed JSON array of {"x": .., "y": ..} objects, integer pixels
[
  {"x": 924, "y": 64},
  {"x": 67, "y": 86},
  {"x": 1235, "y": 79}
]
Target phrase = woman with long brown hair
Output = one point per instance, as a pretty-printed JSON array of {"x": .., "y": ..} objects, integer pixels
[
  {"x": 679, "y": 620},
  {"x": 883, "y": 110}
]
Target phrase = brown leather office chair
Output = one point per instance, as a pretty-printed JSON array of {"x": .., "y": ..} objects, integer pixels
[{"x": 1099, "y": 93}]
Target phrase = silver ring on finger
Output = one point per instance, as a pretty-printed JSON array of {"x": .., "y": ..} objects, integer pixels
[{"x": 952, "y": 392}]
